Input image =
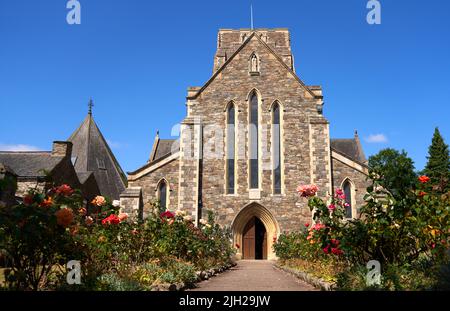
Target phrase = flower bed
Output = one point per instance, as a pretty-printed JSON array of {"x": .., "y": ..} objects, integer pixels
[
  {"x": 409, "y": 236},
  {"x": 49, "y": 229}
]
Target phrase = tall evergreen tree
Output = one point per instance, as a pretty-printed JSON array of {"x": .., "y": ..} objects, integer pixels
[{"x": 438, "y": 166}]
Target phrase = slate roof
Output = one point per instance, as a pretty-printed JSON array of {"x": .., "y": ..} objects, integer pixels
[
  {"x": 91, "y": 153},
  {"x": 164, "y": 148},
  {"x": 351, "y": 148},
  {"x": 30, "y": 164},
  {"x": 4, "y": 169},
  {"x": 83, "y": 176}
]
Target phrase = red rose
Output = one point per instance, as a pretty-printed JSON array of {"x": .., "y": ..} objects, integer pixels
[
  {"x": 167, "y": 214},
  {"x": 336, "y": 251},
  {"x": 111, "y": 220},
  {"x": 28, "y": 200},
  {"x": 424, "y": 179},
  {"x": 326, "y": 250},
  {"x": 422, "y": 193},
  {"x": 335, "y": 242},
  {"x": 64, "y": 190},
  {"x": 237, "y": 245},
  {"x": 307, "y": 225}
]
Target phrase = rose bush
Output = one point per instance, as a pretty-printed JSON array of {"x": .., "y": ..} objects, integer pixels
[
  {"x": 37, "y": 236},
  {"x": 49, "y": 229},
  {"x": 409, "y": 236}
]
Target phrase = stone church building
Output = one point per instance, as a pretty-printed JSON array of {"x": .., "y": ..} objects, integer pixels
[{"x": 253, "y": 133}]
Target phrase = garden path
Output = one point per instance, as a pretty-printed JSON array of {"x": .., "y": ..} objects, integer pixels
[{"x": 253, "y": 275}]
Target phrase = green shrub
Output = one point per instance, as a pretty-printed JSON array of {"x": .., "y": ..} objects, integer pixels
[
  {"x": 39, "y": 237},
  {"x": 409, "y": 235},
  {"x": 113, "y": 282}
]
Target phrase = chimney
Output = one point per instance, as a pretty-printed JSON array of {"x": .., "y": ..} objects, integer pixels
[{"x": 62, "y": 149}]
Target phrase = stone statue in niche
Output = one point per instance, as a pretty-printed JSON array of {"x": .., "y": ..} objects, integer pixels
[{"x": 254, "y": 64}]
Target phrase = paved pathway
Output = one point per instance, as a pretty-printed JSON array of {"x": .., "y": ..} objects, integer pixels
[{"x": 253, "y": 275}]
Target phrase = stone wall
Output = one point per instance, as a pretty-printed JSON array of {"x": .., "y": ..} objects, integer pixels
[
  {"x": 199, "y": 184},
  {"x": 189, "y": 166},
  {"x": 342, "y": 171},
  {"x": 275, "y": 82},
  {"x": 23, "y": 186},
  {"x": 229, "y": 40},
  {"x": 149, "y": 182}
]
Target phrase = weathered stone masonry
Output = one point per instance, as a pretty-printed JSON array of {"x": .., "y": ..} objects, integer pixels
[{"x": 198, "y": 182}]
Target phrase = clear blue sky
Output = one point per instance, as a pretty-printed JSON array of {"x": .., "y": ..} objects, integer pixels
[{"x": 136, "y": 58}]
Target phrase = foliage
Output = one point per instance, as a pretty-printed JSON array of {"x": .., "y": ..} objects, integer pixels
[
  {"x": 113, "y": 282},
  {"x": 438, "y": 165},
  {"x": 37, "y": 235},
  {"x": 146, "y": 275},
  {"x": 325, "y": 269},
  {"x": 393, "y": 277},
  {"x": 40, "y": 235},
  {"x": 409, "y": 235},
  {"x": 167, "y": 271},
  {"x": 396, "y": 170},
  {"x": 399, "y": 230}
]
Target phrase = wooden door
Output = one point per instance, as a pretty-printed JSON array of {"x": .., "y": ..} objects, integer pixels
[
  {"x": 260, "y": 240},
  {"x": 264, "y": 246},
  {"x": 248, "y": 238}
]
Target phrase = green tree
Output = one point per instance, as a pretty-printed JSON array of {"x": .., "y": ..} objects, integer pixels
[
  {"x": 438, "y": 166},
  {"x": 396, "y": 170}
]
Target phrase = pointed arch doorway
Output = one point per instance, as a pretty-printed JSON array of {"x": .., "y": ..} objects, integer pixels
[
  {"x": 254, "y": 240},
  {"x": 254, "y": 230}
]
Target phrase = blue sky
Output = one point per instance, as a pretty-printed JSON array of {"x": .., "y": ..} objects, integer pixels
[{"x": 136, "y": 58}]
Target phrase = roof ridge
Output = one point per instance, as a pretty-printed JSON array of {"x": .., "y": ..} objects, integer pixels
[
  {"x": 94, "y": 154},
  {"x": 111, "y": 154},
  {"x": 88, "y": 139}
]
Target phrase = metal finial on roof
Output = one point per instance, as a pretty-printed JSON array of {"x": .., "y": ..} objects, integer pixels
[
  {"x": 356, "y": 133},
  {"x": 90, "y": 105},
  {"x": 157, "y": 133}
]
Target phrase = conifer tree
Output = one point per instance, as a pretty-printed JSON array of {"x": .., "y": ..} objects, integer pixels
[{"x": 438, "y": 166}]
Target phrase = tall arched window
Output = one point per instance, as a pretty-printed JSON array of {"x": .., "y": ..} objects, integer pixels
[
  {"x": 347, "y": 188},
  {"x": 253, "y": 136},
  {"x": 231, "y": 143},
  {"x": 276, "y": 149},
  {"x": 162, "y": 195}
]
